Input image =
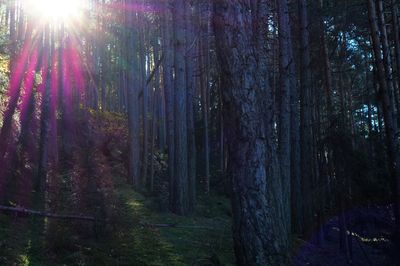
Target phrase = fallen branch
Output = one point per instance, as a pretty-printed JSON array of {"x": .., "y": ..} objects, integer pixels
[
  {"x": 91, "y": 218},
  {"x": 49, "y": 215},
  {"x": 152, "y": 74},
  {"x": 363, "y": 251},
  {"x": 175, "y": 226}
]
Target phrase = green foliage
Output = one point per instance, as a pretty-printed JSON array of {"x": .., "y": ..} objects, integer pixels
[
  {"x": 188, "y": 246},
  {"x": 4, "y": 40}
]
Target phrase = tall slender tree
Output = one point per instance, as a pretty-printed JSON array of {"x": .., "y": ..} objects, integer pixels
[
  {"x": 287, "y": 85},
  {"x": 180, "y": 182},
  {"x": 305, "y": 115},
  {"x": 391, "y": 128},
  {"x": 133, "y": 99}
]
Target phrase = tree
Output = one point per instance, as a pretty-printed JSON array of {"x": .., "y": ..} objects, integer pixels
[
  {"x": 190, "y": 83},
  {"x": 288, "y": 103},
  {"x": 391, "y": 128},
  {"x": 180, "y": 184},
  {"x": 305, "y": 116},
  {"x": 257, "y": 240},
  {"x": 133, "y": 101}
]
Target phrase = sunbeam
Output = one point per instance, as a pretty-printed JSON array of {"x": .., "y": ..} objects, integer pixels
[{"x": 55, "y": 10}]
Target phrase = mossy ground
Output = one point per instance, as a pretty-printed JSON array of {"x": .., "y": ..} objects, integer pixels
[{"x": 127, "y": 241}]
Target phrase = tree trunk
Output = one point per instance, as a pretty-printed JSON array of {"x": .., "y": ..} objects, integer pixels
[
  {"x": 133, "y": 103},
  {"x": 169, "y": 97},
  {"x": 44, "y": 123},
  {"x": 387, "y": 59},
  {"x": 145, "y": 103},
  {"x": 287, "y": 86},
  {"x": 396, "y": 38},
  {"x": 305, "y": 117},
  {"x": 14, "y": 91},
  {"x": 257, "y": 238},
  {"x": 180, "y": 184},
  {"x": 388, "y": 114},
  {"x": 190, "y": 57},
  {"x": 204, "y": 88}
]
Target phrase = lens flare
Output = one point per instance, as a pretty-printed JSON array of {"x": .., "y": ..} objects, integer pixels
[{"x": 55, "y": 10}]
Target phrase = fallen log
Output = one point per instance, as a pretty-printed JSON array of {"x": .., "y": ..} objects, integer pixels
[
  {"x": 175, "y": 226},
  {"x": 49, "y": 215},
  {"x": 91, "y": 218}
]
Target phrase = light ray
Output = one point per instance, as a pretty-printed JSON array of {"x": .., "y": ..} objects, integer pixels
[{"x": 55, "y": 10}]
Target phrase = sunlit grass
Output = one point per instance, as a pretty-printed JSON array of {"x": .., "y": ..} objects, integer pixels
[
  {"x": 23, "y": 260},
  {"x": 183, "y": 246}
]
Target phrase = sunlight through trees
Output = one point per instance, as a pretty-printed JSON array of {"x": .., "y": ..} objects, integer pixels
[{"x": 128, "y": 126}]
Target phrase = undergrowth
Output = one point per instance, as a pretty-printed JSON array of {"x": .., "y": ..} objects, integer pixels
[{"x": 129, "y": 240}]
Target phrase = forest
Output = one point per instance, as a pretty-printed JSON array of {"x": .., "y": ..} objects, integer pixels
[{"x": 199, "y": 132}]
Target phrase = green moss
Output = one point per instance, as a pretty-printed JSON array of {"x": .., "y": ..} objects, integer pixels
[
  {"x": 127, "y": 242},
  {"x": 183, "y": 246}
]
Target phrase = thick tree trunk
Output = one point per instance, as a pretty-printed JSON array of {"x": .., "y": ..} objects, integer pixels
[{"x": 257, "y": 238}]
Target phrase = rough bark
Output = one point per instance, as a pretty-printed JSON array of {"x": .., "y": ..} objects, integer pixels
[{"x": 257, "y": 239}]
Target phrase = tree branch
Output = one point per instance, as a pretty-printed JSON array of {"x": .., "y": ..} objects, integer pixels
[
  {"x": 175, "y": 226},
  {"x": 49, "y": 215},
  {"x": 153, "y": 72}
]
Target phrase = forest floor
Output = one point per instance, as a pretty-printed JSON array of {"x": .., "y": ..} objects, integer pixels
[
  {"x": 369, "y": 241},
  {"x": 138, "y": 233},
  {"x": 203, "y": 238}
]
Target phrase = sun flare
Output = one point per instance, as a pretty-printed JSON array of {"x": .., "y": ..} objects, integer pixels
[{"x": 55, "y": 10}]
